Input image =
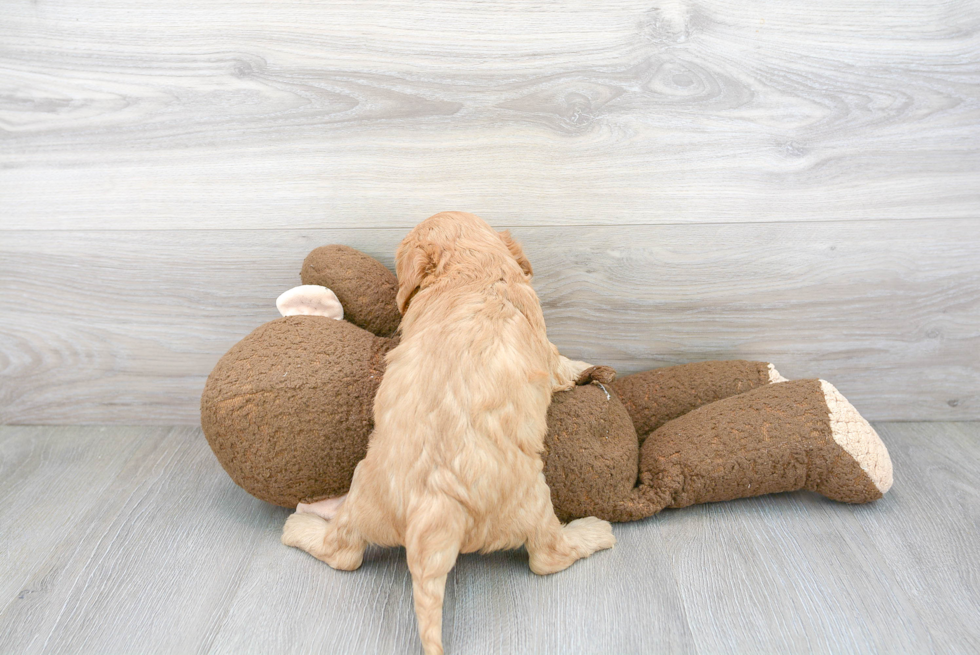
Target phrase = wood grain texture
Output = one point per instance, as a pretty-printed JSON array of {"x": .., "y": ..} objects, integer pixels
[
  {"x": 155, "y": 550},
  {"x": 39, "y": 503},
  {"x": 138, "y": 557},
  {"x": 183, "y": 115},
  {"x": 124, "y": 326},
  {"x": 941, "y": 487}
]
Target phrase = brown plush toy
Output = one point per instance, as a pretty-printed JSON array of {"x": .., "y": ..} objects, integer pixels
[{"x": 288, "y": 413}]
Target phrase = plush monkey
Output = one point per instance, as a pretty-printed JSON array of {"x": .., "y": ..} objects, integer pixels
[{"x": 288, "y": 413}]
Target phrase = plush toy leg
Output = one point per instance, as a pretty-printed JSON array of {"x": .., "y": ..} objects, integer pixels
[
  {"x": 654, "y": 397},
  {"x": 782, "y": 437}
]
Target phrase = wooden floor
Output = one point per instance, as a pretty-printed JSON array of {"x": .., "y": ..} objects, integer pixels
[{"x": 117, "y": 540}]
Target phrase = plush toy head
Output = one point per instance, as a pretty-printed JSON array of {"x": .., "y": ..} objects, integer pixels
[{"x": 288, "y": 410}]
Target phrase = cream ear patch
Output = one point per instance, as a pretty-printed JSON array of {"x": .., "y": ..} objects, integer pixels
[
  {"x": 855, "y": 435},
  {"x": 310, "y": 300}
]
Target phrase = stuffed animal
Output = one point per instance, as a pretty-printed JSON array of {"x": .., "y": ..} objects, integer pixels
[{"x": 288, "y": 413}]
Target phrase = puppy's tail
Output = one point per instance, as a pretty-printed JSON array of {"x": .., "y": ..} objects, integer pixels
[{"x": 433, "y": 538}]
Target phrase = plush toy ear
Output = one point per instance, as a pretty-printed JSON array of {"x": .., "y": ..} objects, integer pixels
[
  {"x": 517, "y": 252},
  {"x": 310, "y": 300},
  {"x": 414, "y": 262}
]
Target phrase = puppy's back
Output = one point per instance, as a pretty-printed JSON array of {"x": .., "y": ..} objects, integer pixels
[{"x": 462, "y": 407}]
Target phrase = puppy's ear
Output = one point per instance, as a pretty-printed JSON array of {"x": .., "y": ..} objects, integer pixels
[
  {"x": 516, "y": 252},
  {"x": 414, "y": 262},
  {"x": 411, "y": 264}
]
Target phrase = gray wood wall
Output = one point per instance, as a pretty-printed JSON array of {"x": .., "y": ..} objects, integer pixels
[{"x": 691, "y": 180}]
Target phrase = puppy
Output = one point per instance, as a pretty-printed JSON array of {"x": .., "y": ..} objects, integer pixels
[{"x": 454, "y": 462}]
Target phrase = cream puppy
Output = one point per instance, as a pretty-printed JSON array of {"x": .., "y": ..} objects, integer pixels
[{"x": 454, "y": 462}]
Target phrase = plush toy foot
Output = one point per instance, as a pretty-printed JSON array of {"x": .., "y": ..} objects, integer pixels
[
  {"x": 841, "y": 480},
  {"x": 326, "y": 508}
]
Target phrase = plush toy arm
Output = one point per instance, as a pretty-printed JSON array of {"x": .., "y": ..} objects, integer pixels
[{"x": 654, "y": 397}]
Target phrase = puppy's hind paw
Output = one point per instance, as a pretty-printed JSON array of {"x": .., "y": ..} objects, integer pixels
[
  {"x": 578, "y": 539},
  {"x": 589, "y": 535},
  {"x": 306, "y": 532},
  {"x": 339, "y": 548}
]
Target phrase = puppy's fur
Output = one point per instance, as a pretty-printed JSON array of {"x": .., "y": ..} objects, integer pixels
[{"x": 454, "y": 463}]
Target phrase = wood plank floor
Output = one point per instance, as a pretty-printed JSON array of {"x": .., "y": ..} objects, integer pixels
[{"x": 126, "y": 539}]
